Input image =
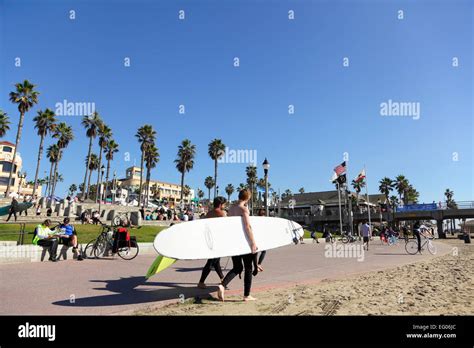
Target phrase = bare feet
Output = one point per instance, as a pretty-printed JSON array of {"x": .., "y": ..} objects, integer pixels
[
  {"x": 202, "y": 286},
  {"x": 221, "y": 293},
  {"x": 249, "y": 298}
]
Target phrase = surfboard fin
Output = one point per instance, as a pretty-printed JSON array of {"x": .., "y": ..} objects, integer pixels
[{"x": 161, "y": 263}]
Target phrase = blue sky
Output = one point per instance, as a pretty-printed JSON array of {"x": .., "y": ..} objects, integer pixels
[{"x": 282, "y": 62}]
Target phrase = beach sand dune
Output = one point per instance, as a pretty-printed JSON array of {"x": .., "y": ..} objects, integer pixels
[{"x": 442, "y": 285}]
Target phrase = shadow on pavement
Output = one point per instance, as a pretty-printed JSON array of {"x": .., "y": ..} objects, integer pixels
[
  {"x": 183, "y": 269},
  {"x": 126, "y": 293}
]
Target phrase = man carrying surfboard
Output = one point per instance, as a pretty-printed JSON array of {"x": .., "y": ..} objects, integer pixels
[
  {"x": 240, "y": 209},
  {"x": 217, "y": 211}
]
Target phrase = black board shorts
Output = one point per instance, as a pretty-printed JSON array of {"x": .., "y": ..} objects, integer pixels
[
  {"x": 366, "y": 239},
  {"x": 65, "y": 241}
]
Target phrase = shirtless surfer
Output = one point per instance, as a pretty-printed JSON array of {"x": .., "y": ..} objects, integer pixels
[
  {"x": 218, "y": 211},
  {"x": 241, "y": 262}
]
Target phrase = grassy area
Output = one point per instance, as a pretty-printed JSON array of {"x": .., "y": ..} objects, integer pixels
[
  {"x": 307, "y": 234},
  {"x": 145, "y": 234},
  {"x": 85, "y": 233}
]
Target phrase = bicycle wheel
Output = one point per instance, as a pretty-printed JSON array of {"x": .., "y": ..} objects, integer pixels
[
  {"x": 116, "y": 221},
  {"x": 89, "y": 251},
  {"x": 411, "y": 247},
  {"x": 431, "y": 247},
  {"x": 128, "y": 253},
  {"x": 100, "y": 247}
]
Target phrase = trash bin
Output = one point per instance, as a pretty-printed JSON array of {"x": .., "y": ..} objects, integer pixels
[{"x": 467, "y": 238}]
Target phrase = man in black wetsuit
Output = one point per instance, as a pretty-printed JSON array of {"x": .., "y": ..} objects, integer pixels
[{"x": 218, "y": 211}]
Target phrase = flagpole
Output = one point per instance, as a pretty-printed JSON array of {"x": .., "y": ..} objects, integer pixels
[
  {"x": 367, "y": 193},
  {"x": 340, "y": 212}
]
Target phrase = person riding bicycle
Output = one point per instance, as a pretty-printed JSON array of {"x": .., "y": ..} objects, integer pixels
[{"x": 417, "y": 234}]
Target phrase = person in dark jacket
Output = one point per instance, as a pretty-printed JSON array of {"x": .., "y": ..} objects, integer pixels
[{"x": 13, "y": 209}]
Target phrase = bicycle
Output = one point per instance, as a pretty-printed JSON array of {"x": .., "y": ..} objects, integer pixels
[
  {"x": 117, "y": 221},
  {"x": 105, "y": 241},
  {"x": 347, "y": 238},
  {"x": 411, "y": 246},
  {"x": 391, "y": 239}
]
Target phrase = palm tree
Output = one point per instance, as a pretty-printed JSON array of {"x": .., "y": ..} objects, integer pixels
[
  {"x": 449, "y": 196},
  {"x": 200, "y": 194},
  {"x": 72, "y": 189},
  {"x": 386, "y": 186},
  {"x": 450, "y": 204},
  {"x": 90, "y": 123},
  {"x": 185, "y": 160},
  {"x": 243, "y": 186},
  {"x": 152, "y": 157},
  {"x": 45, "y": 122},
  {"x": 216, "y": 150},
  {"x": 288, "y": 193},
  {"x": 301, "y": 190},
  {"x": 401, "y": 185},
  {"x": 229, "y": 189},
  {"x": 111, "y": 149},
  {"x": 412, "y": 194},
  {"x": 209, "y": 183},
  {"x": 25, "y": 96},
  {"x": 64, "y": 134},
  {"x": 93, "y": 164},
  {"x": 4, "y": 123},
  {"x": 146, "y": 136},
  {"x": 186, "y": 191},
  {"x": 52, "y": 153},
  {"x": 394, "y": 202},
  {"x": 251, "y": 172},
  {"x": 105, "y": 134},
  {"x": 358, "y": 185}
]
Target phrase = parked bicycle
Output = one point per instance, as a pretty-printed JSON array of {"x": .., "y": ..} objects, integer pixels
[{"x": 108, "y": 240}]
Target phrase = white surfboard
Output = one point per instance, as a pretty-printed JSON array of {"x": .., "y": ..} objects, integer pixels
[{"x": 221, "y": 237}]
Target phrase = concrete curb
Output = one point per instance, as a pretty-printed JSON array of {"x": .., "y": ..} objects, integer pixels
[{"x": 12, "y": 253}]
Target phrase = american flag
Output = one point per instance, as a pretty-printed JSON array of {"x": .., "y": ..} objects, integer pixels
[{"x": 340, "y": 169}]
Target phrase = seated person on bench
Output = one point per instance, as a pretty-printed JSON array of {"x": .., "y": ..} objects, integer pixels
[
  {"x": 45, "y": 237},
  {"x": 69, "y": 236}
]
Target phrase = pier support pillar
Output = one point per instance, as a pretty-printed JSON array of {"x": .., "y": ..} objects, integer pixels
[{"x": 441, "y": 234}]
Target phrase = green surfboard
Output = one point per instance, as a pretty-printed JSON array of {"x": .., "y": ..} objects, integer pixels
[
  {"x": 161, "y": 263},
  {"x": 21, "y": 207}
]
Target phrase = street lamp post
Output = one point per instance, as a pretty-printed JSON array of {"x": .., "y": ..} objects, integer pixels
[{"x": 266, "y": 166}]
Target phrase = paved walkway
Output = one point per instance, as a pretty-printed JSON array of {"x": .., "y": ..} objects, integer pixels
[{"x": 112, "y": 286}]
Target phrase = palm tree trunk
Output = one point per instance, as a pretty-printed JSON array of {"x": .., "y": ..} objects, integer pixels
[
  {"x": 50, "y": 182},
  {"x": 98, "y": 175},
  {"x": 107, "y": 178},
  {"x": 141, "y": 179},
  {"x": 89, "y": 183},
  {"x": 55, "y": 178},
  {"x": 215, "y": 178},
  {"x": 148, "y": 177},
  {"x": 182, "y": 183},
  {"x": 40, "y": 153},
  {"x": 85, "y": 189},
  {"x": 17, "y": 142}
]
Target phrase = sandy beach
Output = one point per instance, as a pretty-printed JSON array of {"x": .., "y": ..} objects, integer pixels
[{"x": 440, "y": 286}]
